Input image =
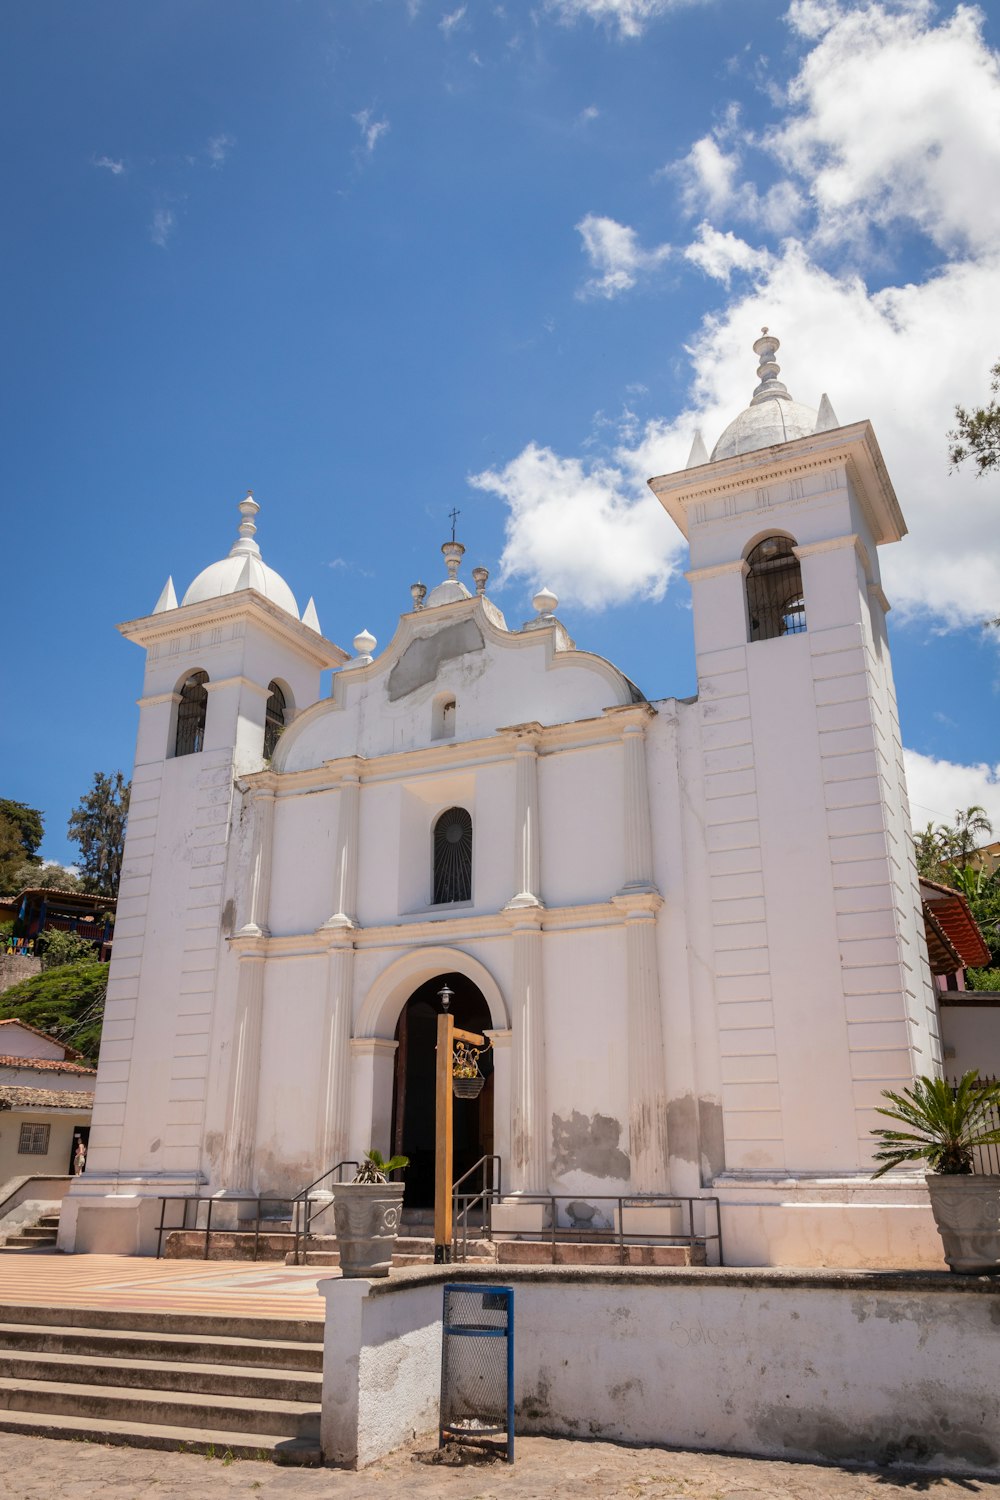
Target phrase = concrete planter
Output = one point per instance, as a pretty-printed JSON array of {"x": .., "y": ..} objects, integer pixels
[
  {"x": 967, "y": 1214},
  {"x": 366, "y": 1216}
]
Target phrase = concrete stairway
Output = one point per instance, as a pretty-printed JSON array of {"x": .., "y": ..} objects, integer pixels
[
  {"x": 250, "y": 1387},
  {"x": 38, "y": 1236}
]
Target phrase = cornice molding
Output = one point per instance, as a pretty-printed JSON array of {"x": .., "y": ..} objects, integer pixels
[{"x": 150, "y": 630}]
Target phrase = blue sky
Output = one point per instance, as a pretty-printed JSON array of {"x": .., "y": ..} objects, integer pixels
[{"x": 376, "y": 259}]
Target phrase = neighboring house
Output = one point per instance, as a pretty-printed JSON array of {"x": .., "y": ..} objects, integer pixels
[
  {"x": 970, "y": 1019},
  {"x": 690, "y": 927},
  {"x": 46, "y": 1099},
  {"x": 38, "y": 910}
]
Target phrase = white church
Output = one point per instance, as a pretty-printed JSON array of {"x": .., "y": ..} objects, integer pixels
[{"x": 690, "y": 928}]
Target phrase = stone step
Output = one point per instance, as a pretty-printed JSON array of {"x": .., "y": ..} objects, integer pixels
[
  {"x": 49, "y": 1221},
  {"x": 213, "y": 1443},
  {"x": 112, "y": 1343},
  {"x": 36, "y": 1232},
  {"x": 183, "y": 1409},
  {"x": 210, "y": 1329},
  {"x": 584, "y": 1253},
  {"x": 27, "y": 1247},
  {"x": 158, "y": 1374}
]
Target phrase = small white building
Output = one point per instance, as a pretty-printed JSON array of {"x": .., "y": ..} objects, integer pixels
[
  {"x": 46, "y": 1097},
  {"x": 691, "y": 928}
]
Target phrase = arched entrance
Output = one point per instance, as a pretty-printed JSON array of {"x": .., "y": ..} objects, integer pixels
[{"x": 413, "y": 1115}]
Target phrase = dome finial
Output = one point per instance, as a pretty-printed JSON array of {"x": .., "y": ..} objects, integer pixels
[
  {"x": 770, "y": 387},
  {"x": 248, "y": 508}
]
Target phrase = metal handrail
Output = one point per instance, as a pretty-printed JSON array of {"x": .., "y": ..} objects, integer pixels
[
  {"x": 488, "y": 1193},
  {"x": 191, "y": 1198},
  {"x": 302, "y": 1208},
  {"x": 618, "y": 1235}
]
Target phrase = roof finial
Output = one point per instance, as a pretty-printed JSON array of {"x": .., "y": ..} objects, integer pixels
[
  {"x": 770, "y": 387},
  {"x": 248, "y": 508},
  {"x": 453, "y": 516}
]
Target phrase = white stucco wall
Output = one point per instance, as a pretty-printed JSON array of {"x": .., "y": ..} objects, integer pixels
[{"x": 884, "y": 1369}]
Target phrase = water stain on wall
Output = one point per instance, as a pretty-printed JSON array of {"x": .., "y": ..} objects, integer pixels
[{"x": 589, "y": 1144}]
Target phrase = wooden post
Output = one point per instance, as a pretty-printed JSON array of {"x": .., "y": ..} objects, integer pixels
[
  {"x": 443, "y": 1140},
  {"x": 444, "y": 1135}
]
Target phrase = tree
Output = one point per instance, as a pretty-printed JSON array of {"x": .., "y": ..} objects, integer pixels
[
  {"x": 11, "y": 855},
  {"x": 98, "y": 826},
  {"x": 27, "y": 821},
  {"x": 67, "y": 1002},
  {"x": 976, "y": 434},
  {"x": 971, "y": 828},
  {"x": 65, "y": 948}
]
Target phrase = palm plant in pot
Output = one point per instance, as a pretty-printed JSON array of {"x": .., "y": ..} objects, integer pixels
[
  {"x": 944, "y": 1125},
  {"x": 366, "y": 1215}
]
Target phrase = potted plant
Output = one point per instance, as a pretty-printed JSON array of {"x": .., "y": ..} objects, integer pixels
[
  {"x": 366, "y": 1215},
  {"x": 944, "y": 1125},
  {"x": 466, "y": 1079}
]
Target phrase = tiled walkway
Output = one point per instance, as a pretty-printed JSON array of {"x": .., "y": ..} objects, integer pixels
[{"x": 138, "y": 1283}]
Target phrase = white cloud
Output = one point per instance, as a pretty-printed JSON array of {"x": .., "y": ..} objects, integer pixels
[
  {"x": 585, "y": 531},
  {"x": 628, "y": 17},
  {"x": 719, "y": 255},
  {"x": 218, "y": 148},
  {"x": 614, "y": 251},
  {"x": 451, "y": 19},
  {"x": 371, "y": 129},
  {"x": 895, "y": 119},
  {"x": 587, "y": 115},
  {"x": 938, "y": 788},
  {"x": 900, "y": 354},
  {"x": 116, "y": 168},
  {"x": 162, "y": 226}
]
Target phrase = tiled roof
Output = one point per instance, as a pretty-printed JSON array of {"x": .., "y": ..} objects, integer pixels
[
  {"x": 49, "y": 1064},
  {"x": 70, "y": 1052},
  {"x": 22, "y": 1098},
  {"x": 951, "y": 929}
]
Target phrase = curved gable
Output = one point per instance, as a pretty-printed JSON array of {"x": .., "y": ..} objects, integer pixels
[{"x": 456, "y": 655}]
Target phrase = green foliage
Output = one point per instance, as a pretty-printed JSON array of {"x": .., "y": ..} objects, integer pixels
[
  {"x": 375, "y": 1168},
  {"x": 976, "y": 434},
  {"x": 11, "y": 856},
  {"x": 27, "y": 821},
  {"x": 58, "y": 948},
  {"x": 983, "y": 979},
  {"x": 944, "y": 1124},
  {"x": 67, "y": 1002},
  {"x": 98, "y": 826},
  {"x": 946, "y": 853}
]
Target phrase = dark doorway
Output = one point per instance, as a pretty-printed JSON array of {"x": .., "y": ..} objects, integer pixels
[{"x": 413, "y": 1096}]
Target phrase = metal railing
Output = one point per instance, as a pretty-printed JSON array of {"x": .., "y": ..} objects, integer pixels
[
  {"x": 490, "y": 1190},
  {"x": 985, "y": 1159},
  {"x": 622, "y": 1231},
  {"x": 297, "y": 1222},
  {"x": 305, "y": 1208}
]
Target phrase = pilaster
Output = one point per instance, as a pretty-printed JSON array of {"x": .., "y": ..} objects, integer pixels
[
  {"x": 646, "y": 1075},
  {"x": 335, "y": 1094},
  {"x": 244, "y": 1080},
  {"x": 258, "y": 889},
  {"x": 345, "y": 870},
  {"x": 529, "y": 1125},
  {"x": 527, "y": 852}
]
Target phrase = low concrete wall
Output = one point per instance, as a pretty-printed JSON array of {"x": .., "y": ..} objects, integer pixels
[
  {"x": 869, "y": 1367},
  {"x": 16, "y": 1190}
]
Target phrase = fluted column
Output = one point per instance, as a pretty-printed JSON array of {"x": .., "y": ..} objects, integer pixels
[
  {"x": 258, "y": 887},
  {"x": 244, "y": 1077},
  {"x": 335, "y": 1091},
  {"x": 638, "y": 840},
  {"x": 527, "y": 848},
  {"x": 345, "y": 870},
  {"x": 647, "y": 1091},
  {"x": 529, "y": 1126},
  {"x": 640, "y": 902}
]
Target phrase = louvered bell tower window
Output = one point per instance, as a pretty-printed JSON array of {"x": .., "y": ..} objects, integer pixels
[
  {"x": 775, "y": 603},
  {"x": 453, "y": 857},
  {"x": 274, "y": 721},
  {"x": 191, "y": 714}
]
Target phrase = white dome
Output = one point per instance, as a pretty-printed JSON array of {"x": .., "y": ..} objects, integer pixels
[
  {"x": 772, "y": 416},
  {"x": 776, "y": 419},
  {"x": 244, "y": 568}
]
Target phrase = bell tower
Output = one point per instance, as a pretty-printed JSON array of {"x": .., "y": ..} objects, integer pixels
[
  {"x": 225, "y": 670},
  {"x": 822, "y": 988}
]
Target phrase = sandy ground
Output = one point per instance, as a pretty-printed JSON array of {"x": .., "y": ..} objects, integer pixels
[{"x": 43, "y": 1468}]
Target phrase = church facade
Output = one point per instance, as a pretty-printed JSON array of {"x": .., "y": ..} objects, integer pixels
[{"x": 689, "y": 928}]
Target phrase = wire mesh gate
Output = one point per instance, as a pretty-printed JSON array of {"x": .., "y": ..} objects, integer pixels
[{"x": 477, "y": 1365}]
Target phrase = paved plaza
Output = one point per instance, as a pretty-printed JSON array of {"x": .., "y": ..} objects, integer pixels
[{"x": 44, "y": 1468}]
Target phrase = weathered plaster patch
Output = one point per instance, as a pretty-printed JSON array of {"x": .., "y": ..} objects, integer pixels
[
  {"x": 890, "y": 1440},
  {"x": 424, "y": 657},
  {"x": 713, "y": 1140},
  {"x": 588, "y": 1144},
  {"x": 682, "y": 1127}
]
